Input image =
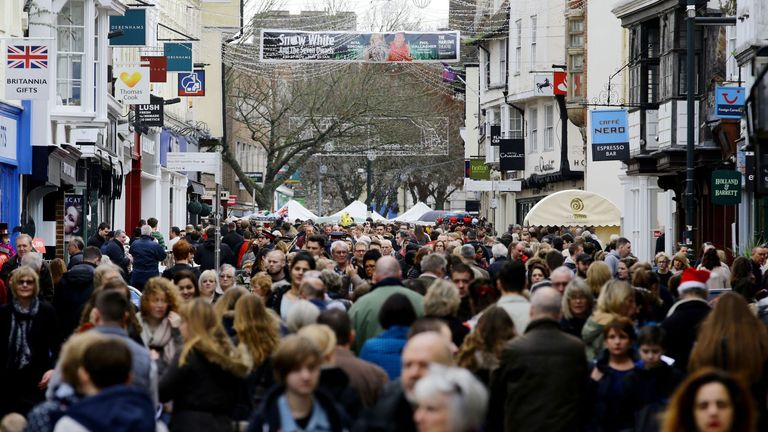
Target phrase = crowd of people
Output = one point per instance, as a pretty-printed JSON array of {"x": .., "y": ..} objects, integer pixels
[{"x": 380, "y": 326}]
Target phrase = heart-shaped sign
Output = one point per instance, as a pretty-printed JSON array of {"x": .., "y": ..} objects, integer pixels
[{"x": 130, "y": 79}]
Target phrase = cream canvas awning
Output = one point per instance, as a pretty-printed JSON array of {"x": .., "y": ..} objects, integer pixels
[{"x": 574, "y": 208}]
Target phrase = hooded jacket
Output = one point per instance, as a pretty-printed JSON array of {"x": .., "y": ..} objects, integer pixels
[
  {"x": 205, "y": 255},
  {"x": 115, "y": 409}
]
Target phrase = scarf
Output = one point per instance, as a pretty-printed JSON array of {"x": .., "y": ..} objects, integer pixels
[
  {"x": 18, "y": 344},
  {"x": 160, "y": 339}
]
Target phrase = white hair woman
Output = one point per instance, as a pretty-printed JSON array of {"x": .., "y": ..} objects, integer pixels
[
  {"x": 449, "y": 399},
  {"x": 209, "y": 283},
  {"x": 226, "y": 280}
]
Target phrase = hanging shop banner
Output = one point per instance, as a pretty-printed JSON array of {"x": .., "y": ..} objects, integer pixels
[
  {"x": 151, "y": 114},
  {"x": 478, "y": 170},
  {"x": 512, "y": 154},
  {"x": 133, "y": 25},
  {"x": 726, "y": 187},
  {"x": 560, "y": 83},
  {"x": 132, "y": 84},
  {"x": 542, "y": 85},
  {"x": 610, "y": 135},
  {"x": 192, "y": 84},
  {"x": 158, "y": 67},
  {"x": 393, "y": 47},
  {"x": 73, "y": 216},
  {"x": 27, "y": 76},
  {"x": 729, "y": 102},
  {"x": 179, "y": 56},
  {"x": 495, "y": 135}
]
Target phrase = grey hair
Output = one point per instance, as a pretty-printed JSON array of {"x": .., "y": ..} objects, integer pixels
[
  {"x": 433, "y": 262},
  {"x": 146, "y": 230},
  {"x": 33, "y": 260},
  {"x": 564, "y": 270},
  {"x": 78, "y": 241},
  {"x": 331, "y": 280},
  {"x": 388, "y": 266},
  {"x": 302, "y": 313},
  {"x": 499, "y": 250},
  {"x": 339, "y": 244},
  {"x": 26, "y": 237},
  {"x": 227, "y": 268},
  {"x": 442, "y": 299},
  {"x": 118, "y": 232},
  {"x": 364, "y": 239},
  {"x": 468, "y": 398},
  {"x": 102, "y": 270},
  {"x": 577, "y": 287},
  {"x": 546, "y": 301},
  {"x": 388, "y": 242}
]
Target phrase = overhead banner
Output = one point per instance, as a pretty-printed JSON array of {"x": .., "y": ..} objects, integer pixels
[
  {"x": 158, "y": 68},
  {"x": 348, "y": 46},
  {"x": 729, "y": 102},
  {"x": 27, "y": 76},
  {"x": 192, "y": 84},
  {"x": 512, "y": 154},
  {"x": 179, "y": 56},
  {"x": 726, "y": 187},
  {"x": 132, "y": 84},
  {"x": 151, "y": 114},
  {"x": 495, "y": 135},
  {"x": 610, "y": 135},
  {"x": 133, "y": 25}
]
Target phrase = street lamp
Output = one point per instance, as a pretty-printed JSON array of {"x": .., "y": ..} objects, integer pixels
[
  {"x": 321, "y": 171},
  {"x": 370, "y": 157}
]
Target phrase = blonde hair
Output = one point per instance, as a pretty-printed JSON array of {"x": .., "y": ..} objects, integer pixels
[
  {"x": 609, "y": 304},
  {"x": 262, "y": 281},
  {"x": 207, "y": 336},
  {"x": 576, "y": 287},
  {"x": 226, "y": 303},
  {"x": 598, "y": 274},
  {"x": 322, "y": 336},
  {"x": 159, "y": 286},
  {"x": 442, "y": 299},
  {"x": 257, "y": 328},
  {"x": 101, "y": 271},
  {"x": 19, "y": 273}
]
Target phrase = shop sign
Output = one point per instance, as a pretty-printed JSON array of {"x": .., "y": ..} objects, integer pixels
[
  {"x": 610, "y": 135},
  {"x": 543, "y": 86},
  {"x": 27, "y": 74},
  {"x": 151, "y": 114},
  {"x": 560, "y": 83},
  {"x": 158, "y": 67},
  {"x": 726, "y": 187},
  {"x": 192, "y": 84},
  {"x": 204, "y": 162},
  {"x": 512, "y": 154},
  {"x": 179, "y": 56},
  {"x": 729, "y": 102},
  {"x": 495, "y": 135},
  {"x": 133, "y": 25},
  {"x": 132, "y": 84},
  {"x": 478, "y": 170}
]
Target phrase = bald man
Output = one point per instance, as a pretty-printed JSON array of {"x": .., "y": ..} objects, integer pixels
[
  {"x": 393, "y": 412},
  {"x": 365, "y": 311},
  {"x": 545, "y": 367}
]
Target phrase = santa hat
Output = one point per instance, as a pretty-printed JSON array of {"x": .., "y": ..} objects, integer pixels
[{"x": 692, "y": 278}]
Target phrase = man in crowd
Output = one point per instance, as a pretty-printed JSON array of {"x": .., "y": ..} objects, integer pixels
[
  {"x": 560, "y": 277},
  {"x": 432, "y": 268},
  {"x": 462, "y": 276},
  {"x": 100, "y": 236},
  {"x": 232, "y": 238},
  {"x": 583, "y": 261},
  {"x": 511, "y": 283},
  {"x": 499, "y": 252},
  {"x": 75, "y": 247},
  {"x": 759, "y": 254},
  {"x": 157, "y": 235},
  {"x": 276, "y": 269},
  {"x": 147, "y": 255},
  {"x": 623, "y": 250},
  {"x": 467, "y": 255},
  {"x": 205, "y": 255},
  {"x": 685, "y": 316},
  {"x": 544, "y": 367},
  {"x": 74, "y": 290},
  {"x": 115, "y": 250},
  {"x": 315, "y": 245},
  {"x": 174, "y": 235},
  {"x": 23, "y": 248}
]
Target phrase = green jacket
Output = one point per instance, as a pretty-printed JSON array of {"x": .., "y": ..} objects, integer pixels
[
  {"x": 365, "y": 311},
  {"x": 157, "y": 235},
  {"x": 592, "y": 335}
]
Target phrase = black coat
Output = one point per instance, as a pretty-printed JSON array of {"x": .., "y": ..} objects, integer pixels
[
  {"x": 96, "y": 240},
  {"x": 204, "y": 394},
  {"x": 541, "y": 382},
  {"x": 392, "y": 412},
  {"x": 74, "y": 260},
  {"x": 73, "y": 292},
  {"x": 233, "y": 240},
  {"x": 115, "y": 250},
  {"x": 682, "y": 328},
  {"x": 267, "y": 418},
  {"x": 170, "y": 272},
  {"x": 205, "y": 255},
  {"x": 647, "y": 392},
  {"x": 20, "y": 392}
]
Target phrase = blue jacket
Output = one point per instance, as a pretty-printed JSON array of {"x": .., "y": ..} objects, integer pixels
[
  {"x": 147, "y": 253},
  {"x": 386, "y": 349},
  {"x": 116, "y": 409},
  {"x": 116, "y": 253}
]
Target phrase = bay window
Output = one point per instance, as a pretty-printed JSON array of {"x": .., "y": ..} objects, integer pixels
[{"x": 70, "y": 26}]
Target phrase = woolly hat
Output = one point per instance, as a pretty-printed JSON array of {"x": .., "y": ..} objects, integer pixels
[{"x": 692, "y": 278}]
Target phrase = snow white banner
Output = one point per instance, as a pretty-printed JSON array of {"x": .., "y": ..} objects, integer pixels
[{"x": 396, "y": 47}]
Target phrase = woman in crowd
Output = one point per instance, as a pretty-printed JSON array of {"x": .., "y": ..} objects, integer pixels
[
  {"x": 160, "y": 322},
  {"x": 577, "y": 306},
  {"x": 258, "y": 334},
  {"x": 615, "y": 301},
  {"x": 225, "y": 308},
  {"x": 442, "y": 301},
  {"x": 482, "y": 294},
  {"x": 296, "y": 404},
  {"x": 597, "y": 275},
  {"x": 608, "y": 377},
  {"x": 209, "y": 284},
  {"x": 204, "y": 378},
  {"x": 57, "y": 268},
  {"x": 652, "y": 300},
  {"x": 742, "y": 278},
  {"x": 439, "y": 246},
  {"x": 662, "y": 271},
  {"x": 733, "y": 339},
  {"x": 537, "y": 272},
  {"x": 261, "y": 285},
  {"x": 369, "y": 265},
  {"x": 396, "y": 316},
  {"x": 182, "y": 256},
  {"x": 481, "y": 350},
  {"x": 226, "y": 280},
  {"x": 449, "y": 399},
  {"x": 284, "y": 298},
  {"x": 186, "y": 283},
  {"x": 679, "y": 263},
  {"x": 720, "y": 274},
  {"x": 622, "y": 269},
  {"x": 29, "y": 344},
  {"x": 710, "y": 400}
]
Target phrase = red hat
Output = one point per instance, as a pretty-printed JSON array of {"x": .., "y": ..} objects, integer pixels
[{"x": 693, "y": 278}]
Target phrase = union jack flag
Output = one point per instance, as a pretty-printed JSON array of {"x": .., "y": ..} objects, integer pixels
[{"x": 27, "y": 57}]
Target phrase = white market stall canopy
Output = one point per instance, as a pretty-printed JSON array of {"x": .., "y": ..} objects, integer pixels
[
  {"x": 357, "y": 210},
  {"x": 377, "y": 217},
  {"x": 414, "y": 213},
  {"x": 293, "y": 210},
  {"x": 574, "y": 208}
]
